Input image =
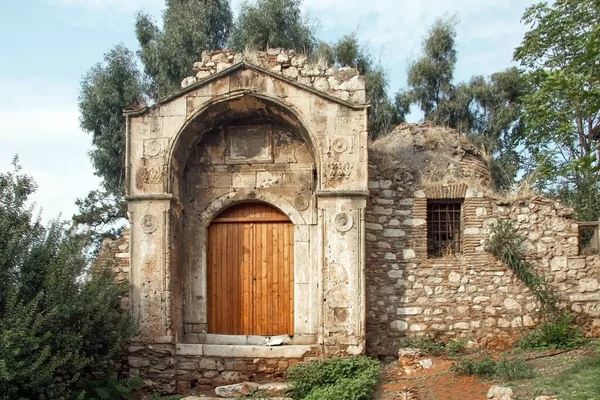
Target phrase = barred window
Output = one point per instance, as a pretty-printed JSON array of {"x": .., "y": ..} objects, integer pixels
[{"x": 444, "y": 228}]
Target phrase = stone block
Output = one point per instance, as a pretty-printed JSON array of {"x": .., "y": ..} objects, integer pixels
[
  {"x": 409, "y": 310},
  {"x": 408, "y": 254},
  {"x": 512, "y": 305},
  {"x": 393, "y": 233},
  {"x": 399, "y": 325},
  {"x": 588, "y": 285}
]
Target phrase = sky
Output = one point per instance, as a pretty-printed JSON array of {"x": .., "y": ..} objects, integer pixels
[{"x": 47, "y": 46}]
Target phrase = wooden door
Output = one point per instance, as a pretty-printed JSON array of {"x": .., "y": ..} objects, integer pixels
[{"x": 250, "y": 272}]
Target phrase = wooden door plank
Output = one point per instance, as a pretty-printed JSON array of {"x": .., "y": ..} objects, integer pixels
[{"x": 275, "y": 309}]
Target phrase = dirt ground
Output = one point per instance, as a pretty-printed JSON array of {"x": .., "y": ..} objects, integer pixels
[{"x": 436, "y": 383}]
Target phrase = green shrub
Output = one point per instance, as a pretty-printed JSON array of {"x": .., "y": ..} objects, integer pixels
[
  {"x": 485, "y": 367},
  {"x": 113, "y": 388},
  {"x": 507, "y": 370},
  {"x": 456, "y": 347},
  {"x": 334, "y": 379},
  {"x": 557, "y": 334},
  {"x": 513, "y": 370},
  {"x": 58, "y": 323},
  {"x": 435, "y": 347}
]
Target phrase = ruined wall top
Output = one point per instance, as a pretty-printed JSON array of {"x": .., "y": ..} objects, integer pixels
[
  {"x": 430, "y": 155},
  {"x": 344, "y": 83}
]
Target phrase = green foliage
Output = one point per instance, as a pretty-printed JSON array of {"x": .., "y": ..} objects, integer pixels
[
  {"x": 112, "y": 388},
  {"x": 456, "y": 347},
  {"x": 558, "y": 330},
  {"x": 189, "y": 26},
  {"x": 559, "y": 54},
  {"x": 273, "y": 23},
  {"x": 106, "y": 90},
  {"x": 485, "y": 367},
  {"x": 578, "y": 382},
  {"x": 57, "y": 322},
  {"x": 559, "y": 333},
  {"x": 435, "y": 347},
  {"x": 430, "y": 76},
  {"x": 384, "y": 115},
  {"x": 505, "y": 244},
  {"x": 100, "y": 212},
  {"x": 487, "y": 110},
  {"x": 513, "y": 370},
  {"x": 504, "y": 369},
  {"x": 334, "y": 379}
]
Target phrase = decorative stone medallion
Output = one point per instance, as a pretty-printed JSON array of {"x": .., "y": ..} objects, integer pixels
[
  {"x": 153, "y": 147},
  {"x": 343, "y": 222},
  {"x": 148, "y": 223},
  {"x": 339, "y": 145},
  {"x": 301, "y": 203}
]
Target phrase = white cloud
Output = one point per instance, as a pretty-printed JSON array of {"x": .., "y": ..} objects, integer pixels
[
  {"x": 42, "y": 127},
  {"x": 124, "y": 6},
  {"x": 487, "y": 30}
]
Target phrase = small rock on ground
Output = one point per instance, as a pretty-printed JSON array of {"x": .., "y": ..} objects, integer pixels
[
  {"x": 500, "y": 393},
  {"x": 237, "y": 390},
  {"x": 273, "y": 389},
  {"x": 546, "y": 398}
]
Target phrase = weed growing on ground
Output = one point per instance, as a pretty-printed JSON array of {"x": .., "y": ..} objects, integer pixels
[
  {"x": 557, "y": 334},
  {"x": 435, "y": 347},
  {"x": 504, "y": 369}
]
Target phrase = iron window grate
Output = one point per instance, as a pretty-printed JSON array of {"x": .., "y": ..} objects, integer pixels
[{"x": 444, "y": 228}]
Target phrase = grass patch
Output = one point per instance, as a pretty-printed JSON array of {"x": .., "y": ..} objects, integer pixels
[
  {"x": 334, "y": 379},
  {"x": 580, "y": 382},
  {"x": 504, "y": 369}
]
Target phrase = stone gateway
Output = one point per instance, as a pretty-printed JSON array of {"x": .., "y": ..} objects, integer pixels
[{"x": 260, "y": 214}]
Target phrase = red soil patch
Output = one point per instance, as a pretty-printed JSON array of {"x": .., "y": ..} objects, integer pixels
[{"x": 436, "y": 383}]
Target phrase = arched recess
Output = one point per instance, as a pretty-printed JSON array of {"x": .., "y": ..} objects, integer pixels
[
  {"x": 204, "y": 181},
  {"x": 234, "y": 106}
]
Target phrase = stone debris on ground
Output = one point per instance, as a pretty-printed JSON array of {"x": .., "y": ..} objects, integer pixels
[
  {"x": 237, "y": 389},
  {"x": 500, "y": 393},
  {"x": 229, "y": 398},
  {"x": 410, "y": 360},
  {"x": 546, "y": 398},
  {"x": 270, "y": 390}
]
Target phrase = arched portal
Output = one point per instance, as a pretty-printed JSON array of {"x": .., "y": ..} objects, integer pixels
[
  {"x": 250, "y": 271},
  {"x": 248, "y": 135}
]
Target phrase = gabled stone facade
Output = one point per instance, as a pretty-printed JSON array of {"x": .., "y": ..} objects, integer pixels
[{"x": 247, "y": 135}]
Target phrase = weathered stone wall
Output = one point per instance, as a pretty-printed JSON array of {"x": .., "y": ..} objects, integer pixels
[
  {"x": 114, "y": 253},
  {"x": 164, "y": 367},
  {"x": 343, "y": 83},
  {"x": 469, "y": 295}
]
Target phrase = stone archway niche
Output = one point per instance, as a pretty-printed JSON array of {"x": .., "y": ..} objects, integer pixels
[{"x": 248, "y": 135}]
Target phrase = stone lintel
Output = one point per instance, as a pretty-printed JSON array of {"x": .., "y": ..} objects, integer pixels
[{"x": 241, "y": 351}]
